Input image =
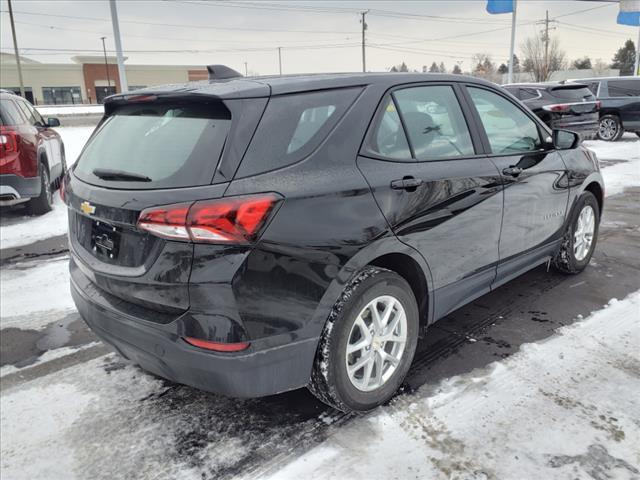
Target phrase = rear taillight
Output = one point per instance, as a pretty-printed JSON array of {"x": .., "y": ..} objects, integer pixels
[
  {"x": 8, "y": 142},
  {"x": 62, "y": 188},
  {"x": 557, "y": 107},
  {"x": 236, "y": 220},
  {"x": 598, "y": 105}
]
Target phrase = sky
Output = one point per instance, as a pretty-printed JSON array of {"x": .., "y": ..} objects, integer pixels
[{"x": 314, "y": 36}]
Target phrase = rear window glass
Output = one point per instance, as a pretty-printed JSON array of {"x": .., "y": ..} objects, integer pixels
[
  {"x": 573, "y": 94},
  {"x": 624, "y": 88},
  {"x": 148, "y": 146},
  {"x": 528, "y": 93},
  {"x": 292, "y": 127},
  {"x": 9, "y": 113}
]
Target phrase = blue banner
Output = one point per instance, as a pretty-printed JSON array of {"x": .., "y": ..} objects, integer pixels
[
  {"x": 629, "y": 18},
  {"x": 629, "y": 13},
  {"x": 500, "y": 6}
]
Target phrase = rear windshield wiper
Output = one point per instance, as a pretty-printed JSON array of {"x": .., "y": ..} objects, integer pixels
[{"x": 107, "y": 174}]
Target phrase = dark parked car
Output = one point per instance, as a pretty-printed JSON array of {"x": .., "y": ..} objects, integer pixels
[
  {"x": 568, "y": 106},
  {"x": 32, "y": 159},
  {"x": 253, "y": 236},
  {"x": 620, "y": 105}
]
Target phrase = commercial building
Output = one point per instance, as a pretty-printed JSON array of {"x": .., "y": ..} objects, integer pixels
[{"x": 88, "y": 79}]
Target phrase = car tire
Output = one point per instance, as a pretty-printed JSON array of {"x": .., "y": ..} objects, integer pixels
[
  {"x": 581, "y": 236},
  {"x": 610, "y": 128},
  {"x": 43, "y": 203},
  {"x": 336, "y": 378}
]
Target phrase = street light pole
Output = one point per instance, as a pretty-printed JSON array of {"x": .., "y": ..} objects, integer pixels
[
  {"x": 116, "y": 36},
  {"x": 15, "y": 49},
  {"x": 106, "y": 64},
  {"x": 280, "y": 60}
]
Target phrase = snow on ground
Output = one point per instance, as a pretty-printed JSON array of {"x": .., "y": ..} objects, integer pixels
[
  {"x": 17, "y": 228},
  {"x": 53, "y": 110},
  {"x": 46, "y": 295},
  {"x": 565, "y": 408},
  {"x": 619, "y": 175}
]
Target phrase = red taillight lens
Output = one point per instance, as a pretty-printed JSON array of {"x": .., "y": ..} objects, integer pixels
[
  {"x": 217, "y": 346},
  {"x": 228, "y": 220},
  {"x": 8, "y": 142},
  {"x": 558, "y": 107},
  {"x": 598, "y": 105},
  {"x": 62, "y": 188},
  {"x": 168, "y": 222}
]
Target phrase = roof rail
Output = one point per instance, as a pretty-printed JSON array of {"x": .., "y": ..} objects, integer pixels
[{"x": 222, "y": 72}]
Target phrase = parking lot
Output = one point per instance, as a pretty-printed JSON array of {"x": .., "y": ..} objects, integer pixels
[{"x": 564, "y": 401}]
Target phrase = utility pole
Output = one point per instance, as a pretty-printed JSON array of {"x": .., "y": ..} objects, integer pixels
[
  {"x": 116, "y": 36},
  {"x": 15, "y": 49},
  {"x": 513, "y": 42},
  {"x": 106, "y": 64},
  {"x": 280, "y": 60},
  {"x": 246, "y": 70},
  {"x": 545, "y": 39},
  {"x": 364, "y": 27}
]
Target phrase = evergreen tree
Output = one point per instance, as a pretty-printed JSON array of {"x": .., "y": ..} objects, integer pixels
[{"x": 624, "y": 58}]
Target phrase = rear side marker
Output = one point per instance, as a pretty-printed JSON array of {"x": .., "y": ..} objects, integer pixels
[{"x": 217, "y": 346}]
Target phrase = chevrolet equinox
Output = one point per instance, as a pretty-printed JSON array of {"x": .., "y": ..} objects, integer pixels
[{"x": 249, "y": 236}]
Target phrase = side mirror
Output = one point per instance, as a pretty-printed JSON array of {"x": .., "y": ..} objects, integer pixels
[
  {"x": 53, "y": 122},
  {"x": 565, "y": 139}
]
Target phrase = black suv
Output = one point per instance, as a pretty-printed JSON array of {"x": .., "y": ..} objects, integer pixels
[
  {"x": 250, "y": 236},
  {"x": 569, "y": 106},
  {"x": 620, "y": 105}
]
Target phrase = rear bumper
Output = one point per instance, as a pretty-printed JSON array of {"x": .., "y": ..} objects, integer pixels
[
  {"x": 15, "y": 189},
  {"x": 584, "y": 127},
  {"x": 266, "y": 368}
]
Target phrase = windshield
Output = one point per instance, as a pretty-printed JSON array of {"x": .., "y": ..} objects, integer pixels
[{"x": 156, "y": 146}]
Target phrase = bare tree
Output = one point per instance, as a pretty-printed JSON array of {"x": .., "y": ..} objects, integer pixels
[{"x": 542, "y": 58}]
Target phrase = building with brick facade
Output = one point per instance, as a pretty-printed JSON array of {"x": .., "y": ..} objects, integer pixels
[{"x": 88, "y": 79}]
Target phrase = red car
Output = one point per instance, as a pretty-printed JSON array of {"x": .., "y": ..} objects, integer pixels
[{"x": 32, "y": 161}]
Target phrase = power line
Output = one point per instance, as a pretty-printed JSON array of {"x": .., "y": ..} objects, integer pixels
[{"x": 176, "y": 25}]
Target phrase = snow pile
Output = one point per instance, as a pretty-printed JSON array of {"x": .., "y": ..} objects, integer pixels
[
  {"x": 564, "y": 408},
  {"x": 17, "y": 228},
  {"x": 53, "y": 110},
  {"x": 621, "y": 175},
  {"x": 49, "y": 282}
]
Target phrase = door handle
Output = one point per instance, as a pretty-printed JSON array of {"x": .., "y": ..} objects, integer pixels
[
  {"x": 512, "y": 171},
  {"x": 407, "y": 183}
]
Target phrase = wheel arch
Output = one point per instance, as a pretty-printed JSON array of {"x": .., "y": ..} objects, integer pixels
[
  {"x": 598, "y": 192},
  {"x": 409, "y": 269}
]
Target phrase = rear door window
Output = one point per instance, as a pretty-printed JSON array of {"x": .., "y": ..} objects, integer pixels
[
  {"x": 624, "y": 88},
  {"x": 434, "y": 121},
  {"x": 150, "y": 146},
  {"x": 30, "y": 113},
  {"x": 388, "y": 138},
  {"x": 292, "y": 126},
  {"x": 10, "y": 114}
]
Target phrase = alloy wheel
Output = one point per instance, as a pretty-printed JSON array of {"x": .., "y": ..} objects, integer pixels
[
  {"x": 376, "y": 343},
  {"x": 608, "y": 129},
  {"x": 584, "y": 232}
]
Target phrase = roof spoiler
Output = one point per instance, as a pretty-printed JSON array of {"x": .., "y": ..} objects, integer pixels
[{"x": 222, "y": 72}]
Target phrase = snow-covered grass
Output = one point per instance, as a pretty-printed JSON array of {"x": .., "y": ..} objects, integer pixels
[
  {"x": 53, "y": 110},
  {"x": 17, "y": 228},
  {"x": 619, "y": 175},
  {"x": 565, "y": 408}
]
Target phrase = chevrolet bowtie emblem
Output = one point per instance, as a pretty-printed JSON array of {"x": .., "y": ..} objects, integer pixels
[{"x": 87, "y": 208}]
